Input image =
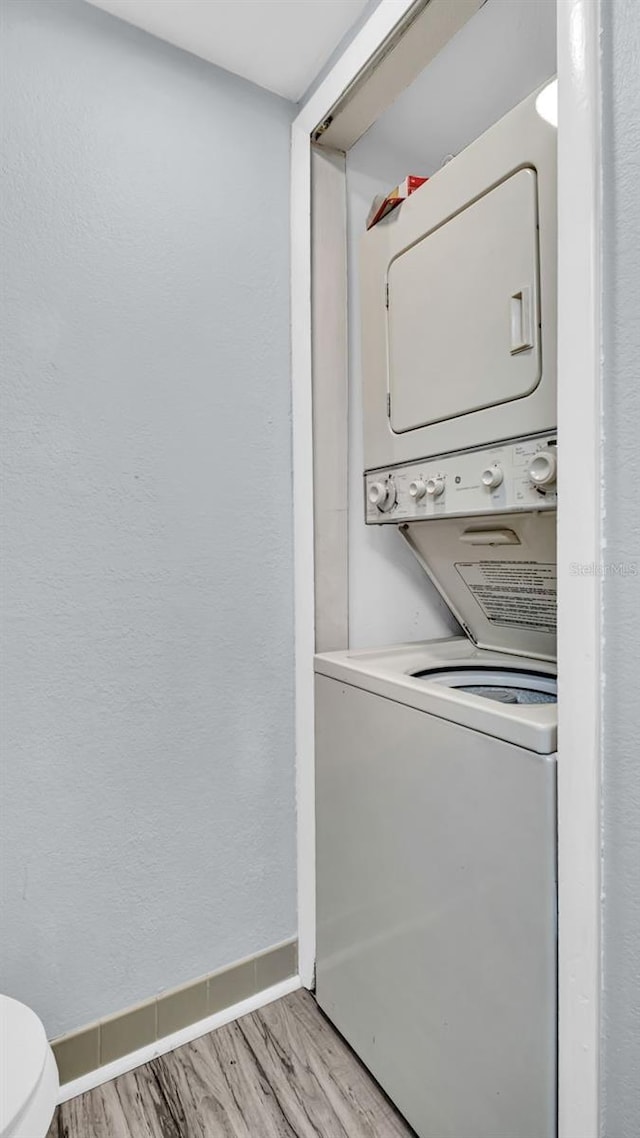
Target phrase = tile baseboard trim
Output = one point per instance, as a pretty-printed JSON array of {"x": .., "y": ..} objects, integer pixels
[
  {"x": 264, "y": 967},
  {"x": 144, "y": 1055}
]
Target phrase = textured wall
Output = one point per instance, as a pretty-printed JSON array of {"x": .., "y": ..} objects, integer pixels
[
  {"x": 148, "y": 782},
  {"x": 621, "y": 790}
]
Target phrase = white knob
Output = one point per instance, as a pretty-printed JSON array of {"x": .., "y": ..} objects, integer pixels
[
  {"x": 382, "y": 495},
  {"x": 417, "y": 490},
  {"x": 377, "y": 493},
  {"x": 543, "y": 469},
  {"x": 492, "y": 476},
  {"x": 435, "y": 486}
]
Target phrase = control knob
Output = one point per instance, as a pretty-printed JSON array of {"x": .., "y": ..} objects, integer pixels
[
  {"x": 382, "y": 495},
  {"x": 417, "y": 489},
  {"x": 492, "y": 476},
  {"x": 543, "y": 469},
  {"x": 435, "y": 486}
]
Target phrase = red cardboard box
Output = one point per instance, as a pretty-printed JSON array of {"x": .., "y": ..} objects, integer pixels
[{"x": 381, "y": 206}]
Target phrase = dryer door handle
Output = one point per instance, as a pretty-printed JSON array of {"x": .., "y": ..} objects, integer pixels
[{"x": 521, "y": 312}]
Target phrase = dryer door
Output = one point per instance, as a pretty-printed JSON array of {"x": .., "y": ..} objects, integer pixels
[{"x": 463, "y": 311}]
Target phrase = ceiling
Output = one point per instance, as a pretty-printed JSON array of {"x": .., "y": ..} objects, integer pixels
[{"x": 279, "y": 44}]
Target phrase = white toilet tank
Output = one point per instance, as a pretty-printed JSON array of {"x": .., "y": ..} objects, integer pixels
[{"x": 28, "y": 1073}]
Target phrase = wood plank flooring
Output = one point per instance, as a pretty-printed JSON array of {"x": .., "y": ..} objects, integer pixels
[{"x": 282, "y": 1072}]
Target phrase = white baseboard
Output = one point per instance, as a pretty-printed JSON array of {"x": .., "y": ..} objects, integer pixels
[{"x": 135, "y": 1059}]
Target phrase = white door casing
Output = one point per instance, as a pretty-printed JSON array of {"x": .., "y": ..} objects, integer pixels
[{"x": 579, "y": 527}]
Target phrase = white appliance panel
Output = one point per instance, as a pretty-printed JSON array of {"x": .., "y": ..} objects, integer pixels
[
  {"x": 462, "y": 310},
  {"x": 436, "y": 903},
  {"x": 494, "y": 480}
]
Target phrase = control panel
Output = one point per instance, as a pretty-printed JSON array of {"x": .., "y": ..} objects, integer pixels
[{"x": 518, "y": 475}]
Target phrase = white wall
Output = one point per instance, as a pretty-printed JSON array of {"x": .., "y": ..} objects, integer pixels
[
  {"x": 390, "y": 597},
  {"x": 148, "y": 831},
  {"x": 502, "y": 54},
  {"x": 620, "y": 1065}
]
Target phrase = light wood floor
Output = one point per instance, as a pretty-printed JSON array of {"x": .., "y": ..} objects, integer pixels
[{"x": 282, "y": 1072}]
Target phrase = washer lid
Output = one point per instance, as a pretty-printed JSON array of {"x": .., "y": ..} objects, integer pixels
[
  {"x": 23, "y": 1051},
  {"x": 497, "y": 575}
]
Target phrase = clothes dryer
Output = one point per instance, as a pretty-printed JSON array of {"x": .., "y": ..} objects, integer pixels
[{"x": 459, "y": 301}]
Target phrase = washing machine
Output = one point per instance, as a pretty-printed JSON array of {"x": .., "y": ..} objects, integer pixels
[
  {"x": 436, "y": 880},
  {"x": 436, "y": 762},
  {"x": 435, "y": 766},
  {"x": 436, "y": 808}
]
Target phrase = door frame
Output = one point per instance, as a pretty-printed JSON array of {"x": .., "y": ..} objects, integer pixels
[{"x": 579, "y": 523}]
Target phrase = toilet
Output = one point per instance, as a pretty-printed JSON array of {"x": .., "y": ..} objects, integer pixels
[{"x": 28, "y": 1073}]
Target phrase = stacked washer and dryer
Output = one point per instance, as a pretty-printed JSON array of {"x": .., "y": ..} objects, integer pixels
[{"x": 436, "y": 762}]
